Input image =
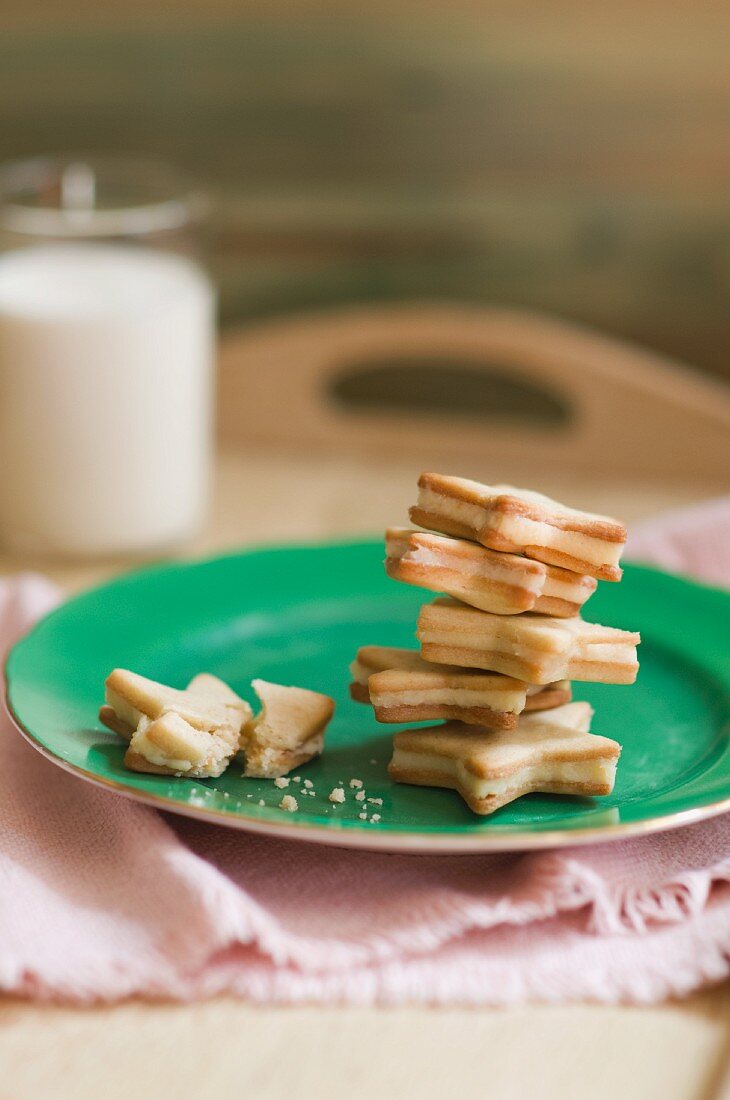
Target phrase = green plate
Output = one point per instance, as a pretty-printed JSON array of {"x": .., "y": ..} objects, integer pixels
[{"x": 296, "y": 615}]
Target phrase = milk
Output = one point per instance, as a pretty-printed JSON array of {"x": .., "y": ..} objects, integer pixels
[{"x": 106, "y": 368}]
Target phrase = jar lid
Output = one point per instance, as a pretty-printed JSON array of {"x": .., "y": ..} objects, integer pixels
[{"x": 96, "y": 196}]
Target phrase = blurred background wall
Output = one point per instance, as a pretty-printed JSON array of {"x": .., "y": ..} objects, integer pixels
[{"x": 572, "y": 156}]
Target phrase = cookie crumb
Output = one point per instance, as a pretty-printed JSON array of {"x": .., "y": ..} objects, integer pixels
[
  {"x": 337, "y": 794},
  {"x": 296, "y": 779},
  {"x": 289, "y": 803},
  {"x": 281, "y": 782},
  {"x": 356, "y": 784},
  {"x": 363, "y": 817},
  {"x": 375, "y": 817},
  {"x": 373, "y": 761},
  {"x": 375, "y": 801},
  {"x": 360, "y": 796},
  {"x": 261, "y": 802},
  {"x": 308, "y": 783}
]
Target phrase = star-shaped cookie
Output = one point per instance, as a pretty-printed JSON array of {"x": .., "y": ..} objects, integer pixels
[
  {"x": 520, "y": 521},
  {"x": 506, "y": 584},
  {"x": 534, "y": 648},
  {"x": 402, "y": 687},
  {"x": 550, "y": 752}
]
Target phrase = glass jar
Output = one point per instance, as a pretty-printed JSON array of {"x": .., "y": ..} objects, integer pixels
[{"x": 107, "y": 322}]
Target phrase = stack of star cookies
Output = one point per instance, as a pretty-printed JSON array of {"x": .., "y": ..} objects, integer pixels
[{"x": 498, "y": 652}]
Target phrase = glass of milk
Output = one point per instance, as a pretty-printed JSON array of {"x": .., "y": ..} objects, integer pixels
[{"x": 106, "y": 359}]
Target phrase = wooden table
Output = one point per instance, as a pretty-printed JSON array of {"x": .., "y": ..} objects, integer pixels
[{"x": 229, "y": 1049}]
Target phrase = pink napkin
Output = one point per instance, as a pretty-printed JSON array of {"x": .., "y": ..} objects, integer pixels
[{"x": 102, "y": 899}]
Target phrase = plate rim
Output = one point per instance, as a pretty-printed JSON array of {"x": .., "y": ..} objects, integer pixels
[{"x": 410, "y": 842}]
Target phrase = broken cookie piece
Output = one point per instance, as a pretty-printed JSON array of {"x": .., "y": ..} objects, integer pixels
[
  {"x": 205, "y": 703},
  {"x": 218, "y": 691},
  {"x": 171, "y": 746},
  {"x": 288, "y": 732},
  {"x": 194, "y": 732}
]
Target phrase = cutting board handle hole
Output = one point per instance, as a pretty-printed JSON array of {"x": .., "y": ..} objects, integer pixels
[{"x": 440, "y": 387}]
